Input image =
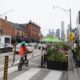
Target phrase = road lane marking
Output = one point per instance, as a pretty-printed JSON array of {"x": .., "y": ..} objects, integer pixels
[
  {"x": 10, "y": 70},
  {"x": 27, "y": 75},
  {"x": 2, "y": 66},
  {"x": 53, "y": 75}
]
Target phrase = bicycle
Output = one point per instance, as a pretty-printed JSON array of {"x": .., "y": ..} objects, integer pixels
[{"x": 24, "y": 62}]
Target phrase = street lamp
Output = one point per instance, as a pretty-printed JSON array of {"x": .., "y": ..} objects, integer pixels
[
  {"x": 69, "y": 12},
  {"x": 6, "y": 12}
]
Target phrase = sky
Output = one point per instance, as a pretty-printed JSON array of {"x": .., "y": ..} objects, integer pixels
[{"x": 41, "y": 12}]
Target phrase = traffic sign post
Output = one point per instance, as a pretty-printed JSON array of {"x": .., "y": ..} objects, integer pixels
[
  {"x": 5, "y": 77},
  {"x": 71, "y": 37}
]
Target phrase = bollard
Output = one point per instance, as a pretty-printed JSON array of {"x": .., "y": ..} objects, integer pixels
[
  {"x": 14, "y": 57},
  {"x": 42, "y": 61},
  {"x": 42, "y": 58},
  {"x": 5, "y": 77},
  {"x": 14, "y": 52}
]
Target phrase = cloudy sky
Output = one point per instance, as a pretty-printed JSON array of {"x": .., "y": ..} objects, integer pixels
[{"x": 40, "y": 12}]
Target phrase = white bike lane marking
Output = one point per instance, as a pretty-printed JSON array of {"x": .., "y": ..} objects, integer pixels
[
  {"x": 28, "y": 74},
  {"x": 10, "y": 70},
  {"x": 53, "y": 75}
]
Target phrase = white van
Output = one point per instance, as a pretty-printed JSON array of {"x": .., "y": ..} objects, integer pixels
[{"x": 5, "y": 39}]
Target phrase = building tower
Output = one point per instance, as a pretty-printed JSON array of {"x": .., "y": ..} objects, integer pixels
[
  {"x": 62, "y": 30},
  {"x": 58, "y": 33}
]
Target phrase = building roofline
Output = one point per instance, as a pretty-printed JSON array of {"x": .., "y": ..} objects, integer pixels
[{"x": 30, "y": 22}]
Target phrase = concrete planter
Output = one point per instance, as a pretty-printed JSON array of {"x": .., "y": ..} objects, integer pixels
[
  {"x": 57, "y": 65},
  {"x": 45, "y": 59}
]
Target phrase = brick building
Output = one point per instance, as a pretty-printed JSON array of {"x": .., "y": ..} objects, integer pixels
[
  {"x": 5, "y": 28},
  {"x": 33, "y": 31},
  {"x": 29, "y": 31},
  {"x": 11, "y": 29}
]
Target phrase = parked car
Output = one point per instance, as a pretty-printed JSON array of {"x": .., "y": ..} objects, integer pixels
[
  {"x": 33, "y": 44},
  {"x": 6, "y": 48},
  {"x": 43, "y": 46},
  {"x": 29, "y": 47}
]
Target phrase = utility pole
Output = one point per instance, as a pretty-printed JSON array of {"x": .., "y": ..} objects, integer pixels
[{"x": 70, "y": 21}]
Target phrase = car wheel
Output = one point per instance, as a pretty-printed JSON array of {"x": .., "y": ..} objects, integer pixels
[
  {"x": 26, "y": 64},
  {"x": 19, "y": 67},
  {"x": 1, "y": 51},
  {"x": 11, "y": 49}
]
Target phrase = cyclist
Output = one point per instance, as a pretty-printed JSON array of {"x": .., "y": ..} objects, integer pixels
[{"x": 22, "y": 52}]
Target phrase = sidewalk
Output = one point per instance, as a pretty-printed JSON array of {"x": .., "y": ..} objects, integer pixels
[{"x": 73, "y": 70}]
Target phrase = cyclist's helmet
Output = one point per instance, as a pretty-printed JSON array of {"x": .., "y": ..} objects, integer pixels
[{"x": 23, "y": 44}]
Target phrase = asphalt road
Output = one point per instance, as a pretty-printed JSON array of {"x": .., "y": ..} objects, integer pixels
[
  {"x": 17, "y": 57},
  {"x": 32, "y": 72}
]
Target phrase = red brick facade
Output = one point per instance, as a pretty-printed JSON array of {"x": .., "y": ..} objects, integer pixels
[
  {"x": 5, "y": 29},
  {"x": 32, "y": 30}
]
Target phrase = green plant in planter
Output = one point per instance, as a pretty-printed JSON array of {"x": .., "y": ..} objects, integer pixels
[
  {"x": 50, "y": 51},
  {"x": 77, "y": 52},
  {"x": 57, "y": 57},
  {"x": 53, "y": 54},
  {"x": 65, "y": 47},
  {"x": 57, "y": 46}
]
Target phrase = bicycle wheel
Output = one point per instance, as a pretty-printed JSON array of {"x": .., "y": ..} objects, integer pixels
[
  {"x": 19, "y": 67},
  {"x": 26, "y": 63}
]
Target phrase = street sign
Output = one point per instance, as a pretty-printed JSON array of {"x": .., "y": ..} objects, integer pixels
[
  {"x": 71, "y": 36},
  {"x": 5, "y": 77}
]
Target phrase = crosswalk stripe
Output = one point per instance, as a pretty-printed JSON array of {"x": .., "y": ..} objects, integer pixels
[
  {"x": 53, "y": 75},
  {"x": 10, "y": 70},
  {"x": 2, "y": 66},
  {"x": 10, "y": 64},
  {"x": 27, "y": 75}
]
